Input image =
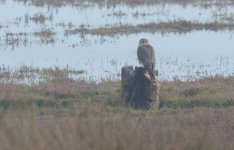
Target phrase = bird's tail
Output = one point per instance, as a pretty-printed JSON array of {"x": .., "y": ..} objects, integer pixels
[{"x": 151, "y": 72}]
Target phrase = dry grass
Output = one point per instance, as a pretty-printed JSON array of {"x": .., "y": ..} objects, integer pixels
[
  {"x": 63, "y": 113},
  {"x": 207, "y": 92},
  {"x": 127, "y": 2},
  {"x": 95, "y": 129},
  {"x": 16, "y": 39}
]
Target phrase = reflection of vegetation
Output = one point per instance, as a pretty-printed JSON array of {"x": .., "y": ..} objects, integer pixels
[
  {"x": 222, "y": 14},
  {"x": 139, "y": 14},
  {"x": 41, "y": 18},
  {"x": 46, "y": 35},
  {"x": 179, "y": 26},
  {"x": 30, "y": 74},
  {"x": 16, "y": 39},
  {"x": 118, "y": 14},
  {"x": 22, "y": 38},
  {"x": 61, "y": 113}
]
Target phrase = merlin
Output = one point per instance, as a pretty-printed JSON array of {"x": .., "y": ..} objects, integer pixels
[{"x": 146, "y": 57}]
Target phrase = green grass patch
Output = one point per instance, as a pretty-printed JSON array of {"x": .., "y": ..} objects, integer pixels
[{"x": 183, "y": 103}]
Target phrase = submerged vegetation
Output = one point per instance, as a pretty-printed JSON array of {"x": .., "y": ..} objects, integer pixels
[{"x": 65, "y": 113}]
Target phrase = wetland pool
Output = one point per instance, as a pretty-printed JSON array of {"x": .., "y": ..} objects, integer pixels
[{"x": 184, "y": 56}]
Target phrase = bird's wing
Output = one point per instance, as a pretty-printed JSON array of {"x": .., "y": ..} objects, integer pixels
[
  {"x": 146, "y": 55},
  {"x": 153, "y": 61}
]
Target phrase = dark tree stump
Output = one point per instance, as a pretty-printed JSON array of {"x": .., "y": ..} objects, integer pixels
[{"x": 138, "y": 90}]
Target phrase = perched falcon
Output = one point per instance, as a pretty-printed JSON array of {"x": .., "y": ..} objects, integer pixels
[{"x": 146, "y": 57}]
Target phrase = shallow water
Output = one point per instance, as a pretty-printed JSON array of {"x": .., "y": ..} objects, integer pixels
[{"x": 184, "y": 56}]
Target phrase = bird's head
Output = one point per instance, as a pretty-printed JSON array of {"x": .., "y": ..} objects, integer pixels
[{"x": 143, "y": 42}]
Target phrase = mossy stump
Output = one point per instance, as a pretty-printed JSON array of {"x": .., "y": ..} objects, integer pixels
[{"x": 138, "y": 90}]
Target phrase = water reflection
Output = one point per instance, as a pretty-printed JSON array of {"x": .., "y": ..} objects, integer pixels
[
  {"x": 184, "y": 57},
  {"x": 27, "y": 18},
  {"x": 35, "y": 36}
]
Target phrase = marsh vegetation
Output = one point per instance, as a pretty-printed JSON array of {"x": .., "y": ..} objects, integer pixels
[
  {"x": 60, "y": 74},
  {"x": 66, "y": 113},
  {"x": 60, "y": 39}
]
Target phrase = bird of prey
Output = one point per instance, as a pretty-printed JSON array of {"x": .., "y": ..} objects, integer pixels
[{"x": 146, "y": 57}]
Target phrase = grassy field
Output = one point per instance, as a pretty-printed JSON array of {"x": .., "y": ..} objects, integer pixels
[{"x": 59, "y": 112}]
